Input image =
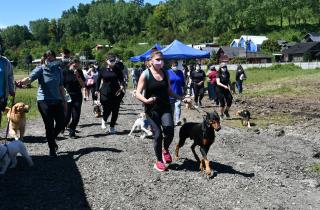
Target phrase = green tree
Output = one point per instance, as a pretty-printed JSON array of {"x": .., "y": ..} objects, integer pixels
[{"x": 40, "y": 30}]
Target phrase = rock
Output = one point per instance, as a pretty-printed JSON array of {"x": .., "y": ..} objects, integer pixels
[{"x": 280, "y": 133}]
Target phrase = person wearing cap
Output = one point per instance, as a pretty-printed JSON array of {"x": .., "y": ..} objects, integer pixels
[
  {"x": 212, "y": 84},
  {"x": 50, "y": 97},
  {"x": 197, "y": 80},
  {"x": 223, "y": 90},
  {"x": 111, "y": 92},
  {"x": 73, "y": 81},
  {"x": 6, "y": 82}
]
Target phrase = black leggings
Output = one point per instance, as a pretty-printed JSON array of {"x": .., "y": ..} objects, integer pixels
[
  {"x": 224, "y": 97},
  {"x": 162, "y": 125},
  {"x": 52, "y": 112},
  {"x": 74, "y": 111},
  {"x": 198, "y": 92},
  {"x": 111, "y": 106}
]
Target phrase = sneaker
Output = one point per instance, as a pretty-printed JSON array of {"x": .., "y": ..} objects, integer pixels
[
  {"x": 160, "y": 166},
  {"x": 111, "y": 130},
  {"x": 103, "y": 124},
  {"x": 196, "y": 105},
  {"x": 221, "y": 116},
  {"x": 72, "y": 133},
  {"x": 166, "y": 157},
  {"x": 53, "y": 153},
  {"x": 200, "y": 104},
  {"x": 226, "y": 112}
]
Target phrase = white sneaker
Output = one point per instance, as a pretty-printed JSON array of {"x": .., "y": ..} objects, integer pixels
[{"x": 103, "y": 124}]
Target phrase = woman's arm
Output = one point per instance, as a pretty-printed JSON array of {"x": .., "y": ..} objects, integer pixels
[
  {"x": 140, "y": 88},
  {"x": 220, "y": 84},
  {"x": 79, "y": 78}
]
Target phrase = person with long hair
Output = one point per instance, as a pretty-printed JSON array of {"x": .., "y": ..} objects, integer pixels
[
  {"x": 154, "y": 81},
  {"x": 111, "y": 92}
]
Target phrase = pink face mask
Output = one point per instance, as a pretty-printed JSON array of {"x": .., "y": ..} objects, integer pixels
[{"x": 157, "y": 64}]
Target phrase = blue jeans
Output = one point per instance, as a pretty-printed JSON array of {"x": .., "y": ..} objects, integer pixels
[
  {"x": 176, "y": 109},
  {"x": 212, "y": 91},
  {"x": 239, "y": 85}
]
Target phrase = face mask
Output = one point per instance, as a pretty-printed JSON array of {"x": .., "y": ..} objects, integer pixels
[
  {"x": 224, "y": 69},
  {"x": 174, "y": 68},
  {"x": 157, "y": 64},
  {"x": 197, "y": 68}
]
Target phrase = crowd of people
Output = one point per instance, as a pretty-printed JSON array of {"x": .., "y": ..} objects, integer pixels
[{"x": 64, "y": 85}]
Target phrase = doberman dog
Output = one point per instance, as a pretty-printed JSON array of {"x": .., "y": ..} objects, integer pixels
[{"x": 203, "y": 135}]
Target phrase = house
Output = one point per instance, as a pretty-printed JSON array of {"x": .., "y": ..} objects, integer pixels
[
  {"x": 297, "y": 52},
  {"x": 235, "y": 43},
  {"x": 253, "y": 57},
  {"x": 312, "y": 37},
  {"x": 251, "y": 43},
  {"x": 226, "y": 53}
]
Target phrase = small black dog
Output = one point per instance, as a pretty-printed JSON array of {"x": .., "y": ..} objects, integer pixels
[
  {"x": 203, "y": 135},
  {"x": 245, "y": 117}
]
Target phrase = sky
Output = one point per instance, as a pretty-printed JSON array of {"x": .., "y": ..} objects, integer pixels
[{"x": 20, "y": 12}]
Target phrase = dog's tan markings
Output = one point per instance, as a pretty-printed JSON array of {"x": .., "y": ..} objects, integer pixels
[
  {"x": 202, "y": 165},
  {"x": 208, "y": 169},
  {"x": 205, "y": 141},
  {"x": 177, "y": 152}
]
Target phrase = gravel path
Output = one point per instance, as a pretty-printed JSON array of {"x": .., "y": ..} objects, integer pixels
[{"x": 254, "y": 169}]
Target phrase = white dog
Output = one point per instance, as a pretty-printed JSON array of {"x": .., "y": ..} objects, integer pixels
[
  {"x": 140, "y": 123},
  {"x": 8, "y": 154}
]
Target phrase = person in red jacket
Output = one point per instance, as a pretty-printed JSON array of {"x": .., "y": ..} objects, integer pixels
[{"x": 212, "y": 84}]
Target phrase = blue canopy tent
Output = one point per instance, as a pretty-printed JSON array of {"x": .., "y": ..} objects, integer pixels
[
  {"x": 143, "y": 56},
  {"x": 177, "y": 50}
]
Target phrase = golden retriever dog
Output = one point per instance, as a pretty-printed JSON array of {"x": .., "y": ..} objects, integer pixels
[{"x": 17, "y": 117}]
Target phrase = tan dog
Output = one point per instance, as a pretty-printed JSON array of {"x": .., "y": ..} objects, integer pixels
[
  {"x": 17, "y": 117},
  {"x": 188, "y": 102}
]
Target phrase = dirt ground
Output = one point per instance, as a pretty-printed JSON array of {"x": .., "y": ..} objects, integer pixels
[{"x": 264, "y": 167}]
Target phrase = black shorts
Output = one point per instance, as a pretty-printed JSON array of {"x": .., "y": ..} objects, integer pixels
[{"x": 224, "y": 97}]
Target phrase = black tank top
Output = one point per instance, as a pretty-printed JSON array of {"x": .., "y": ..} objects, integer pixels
[{"x": 158, "y": 89}]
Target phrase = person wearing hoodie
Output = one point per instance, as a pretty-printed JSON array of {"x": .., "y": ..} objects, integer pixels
[{"x": 177, "y": 83}]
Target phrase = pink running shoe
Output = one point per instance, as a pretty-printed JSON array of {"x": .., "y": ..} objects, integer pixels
[
  {"x": 160, "y": 166},
  {"x": 166, "y": 157}
]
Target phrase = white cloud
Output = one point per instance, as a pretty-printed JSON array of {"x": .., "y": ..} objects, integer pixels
[{"x": 2, "y": 26}]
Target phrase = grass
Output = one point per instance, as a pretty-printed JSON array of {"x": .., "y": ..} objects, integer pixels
[
  {"x": 315, "y": 168},
  {"x": 27, "y": 96},
  {"x": 285, "y": 81}
]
